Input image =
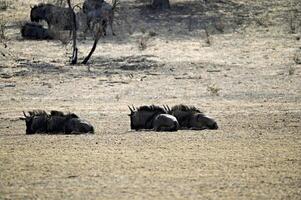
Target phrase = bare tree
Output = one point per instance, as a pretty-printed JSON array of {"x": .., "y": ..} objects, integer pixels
[{"x": 74, "y": 35}]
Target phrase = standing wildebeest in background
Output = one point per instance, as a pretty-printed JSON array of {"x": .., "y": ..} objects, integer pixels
[
  {"x": 55, "y": 16},
  {"x": 99, "y": 15},
  {"x": 56, "y": 122},
  {"x": 35, "y": 31},
  {"x": 152, "y": 117},
  {"x": 101, "y": 11},
  {"x": 192, "y": 118},
  {"x": 92, "y": 5}
]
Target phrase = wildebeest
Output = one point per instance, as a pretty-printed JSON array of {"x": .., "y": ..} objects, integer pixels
[
  {"x": 99, "y": 11},
  {"x": 35, "y": 31},
  {"x": 189, "y": 117},
  {"x": 59, "y": 17},
  {"x": 36, "y": 121},
  {"x": 92, "y": 5},
  {"x": 56, "y": 122},
  {"x": 152, "y": 117},
  {"x": 99, "y": 15}
]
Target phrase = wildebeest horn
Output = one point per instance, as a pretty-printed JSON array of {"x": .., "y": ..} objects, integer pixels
[
  {"x": 31, "y": 6},
  {"x": 131, "y": 109},
  {"x": 24, "y": 114},
  {"x": 165, "y": 108}
]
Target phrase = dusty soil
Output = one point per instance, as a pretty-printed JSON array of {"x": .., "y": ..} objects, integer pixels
[{"x": 246, "y": 75}]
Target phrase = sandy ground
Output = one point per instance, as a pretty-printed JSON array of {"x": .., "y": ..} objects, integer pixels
[{"x": 246, "y": 78}]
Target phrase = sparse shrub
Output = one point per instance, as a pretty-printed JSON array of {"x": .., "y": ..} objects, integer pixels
[
  {"x": 291, "y": 71},
  {"x": 152, "y": 33},
  {"x": 2, "y": 30},
  {"x": 207, "y": 38},
  {"x": 214, "y": 90},
  {"x": 3, "y": 5},
  {"x": 142, "y": 43},
  {"x": 142, "y": 30},
  {"x": 117, "y": 97},
  {"x": 297, "y": 57},
  {"x": 292, "y": 24}
]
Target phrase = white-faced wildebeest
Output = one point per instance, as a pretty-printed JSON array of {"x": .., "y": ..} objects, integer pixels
[
  {"x": 56, "y": 122},
  {"x": 99, "y": 14},
  {"x": 189, "y": 117},
  {"x": 35, "y": 31},
  {"x": 152, "y": 117}
]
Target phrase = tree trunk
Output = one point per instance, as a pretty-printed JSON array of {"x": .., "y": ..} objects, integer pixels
[
  {"x": 91, "y": 52},
  {"x": 160, "y": 4},
  {"x": 74, "y": 35}
]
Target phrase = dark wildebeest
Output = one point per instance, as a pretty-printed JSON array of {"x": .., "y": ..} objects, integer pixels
[
  {"x": 35, "y": 32},
  {"x": 152, "y": 117},
  {"x": 99, "y": 15},
  {"x": 189, "y": 117},
  {"x": 36, "y": 121},
  {"x": 99, "y": 11},
  {"x": 56, "y": 122},
  {"x": 59, "y": 17}
]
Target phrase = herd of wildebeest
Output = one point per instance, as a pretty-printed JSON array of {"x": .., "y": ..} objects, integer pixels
[
  {"x": 151, "y": 117},
  {"x": 92, "y": 13},
  {"x": 95, "y": 16}
]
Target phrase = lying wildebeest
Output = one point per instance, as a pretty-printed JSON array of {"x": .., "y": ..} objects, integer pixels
[
  {"x": 152, "y": 117},
  {"x": 189, "y": 117},
  {"x": 99, "y": 15},
  {"x": 59, "y": 17},
  {"x": 35, "y": 31},
  {"x": 56, "y": 122}
]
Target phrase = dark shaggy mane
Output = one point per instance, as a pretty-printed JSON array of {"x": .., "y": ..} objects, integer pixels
[
  {"x": 71, "y": 115},
  {"x": 151, "y": 108},
  {"x": 61, "y": 114},
  {"x": 185, "y": 108},
  {"x": 56, "y": 113},
  {"x": 43, "y": 4},
  {"x": 37, "y": 113}
]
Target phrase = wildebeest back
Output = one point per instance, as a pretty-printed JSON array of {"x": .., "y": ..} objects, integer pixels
[{"x": 35, "y": 31}]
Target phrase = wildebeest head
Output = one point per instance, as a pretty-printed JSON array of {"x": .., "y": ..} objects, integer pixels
[
  {"x": 36, "y": 122},
  {"x": 201, "y": 121},
  {"x": 57, "y": 122},
  {"x": 143, "y": 117},
  {"x": 165, "y": 122},
  {"x": 38, "y": 13},
  {"x": 192, "y": 118}
]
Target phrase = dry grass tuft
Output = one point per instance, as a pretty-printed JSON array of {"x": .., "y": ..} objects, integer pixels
[
  {"x": 297, "y": 57},
  {"x": 213, "y": 90},
  {"x": 142, "y": 43},
  {"x": 2, "y": 30},
  {"x": 291, "y": 70},
  {"x": 207, "y": 39},
  {"x": 3, "y": 5}
]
